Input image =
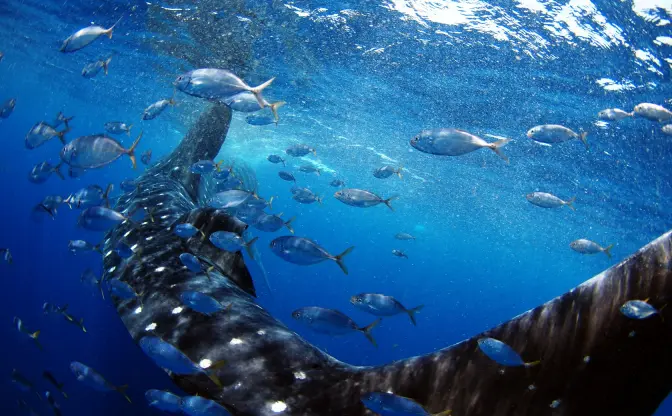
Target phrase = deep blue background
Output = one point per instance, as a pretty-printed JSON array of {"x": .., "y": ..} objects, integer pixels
[{"x": 483, "y": 253}]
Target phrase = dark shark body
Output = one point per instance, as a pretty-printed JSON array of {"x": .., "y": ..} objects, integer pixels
[{"x": 590, "y": 362}]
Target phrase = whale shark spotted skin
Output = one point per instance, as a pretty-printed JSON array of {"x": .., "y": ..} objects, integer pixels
[{"x": 594, "y": 360}]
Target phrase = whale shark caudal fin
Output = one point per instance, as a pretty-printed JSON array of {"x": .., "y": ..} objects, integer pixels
[{"x": 592, "y": 359}]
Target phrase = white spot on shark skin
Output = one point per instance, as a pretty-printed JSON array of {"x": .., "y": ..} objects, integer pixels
[
  {"x": 163, "y": 217},
  {"x": 278, "y": 407},
  {"x": 205, "y": 363},
  {"x": 127, "y": 233},
  {"x": 108, "y": 254},
  {"x": 236, "y": 341},
  {"x": 261, "y": 332},
  {"x": 138, "y": 310},
  {"x": 151, "y": 327},
  {"x": 299, "y": 375},
  {"x": 112, "y": 269},
  {"x": 586, "y": 359},
  {"x": 160, "y": 269},
  {"x": 145, "y": 223},
  {"x": 150, "y": 238},
  {"x": 177, "y": 310}
]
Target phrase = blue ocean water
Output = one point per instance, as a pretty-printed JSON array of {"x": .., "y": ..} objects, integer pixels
[{"x": 360, "y": 80}]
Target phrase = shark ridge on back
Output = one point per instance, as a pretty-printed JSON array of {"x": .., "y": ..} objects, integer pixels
[{"x": 590, "y": 363}]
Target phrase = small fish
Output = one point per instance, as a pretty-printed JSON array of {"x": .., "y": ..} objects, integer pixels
[
  {"x": 388, "y": 404},
  {"x": 332, "y": 322},
  {"x": 667, "y": 129},
  {"x": 93, "y": 379},
  {"x": 85, "y": 37},
  {"x": 81, "y": 246},
  {"x": 259, "y": 120},
  {"x": 79, "y": 323},
  {"x": 32, "y": 335},
  {"x": 217, "y": 84},
  {"x": 92, "y": 69},
  {"x": 22, "y": 382},
  {"x": 91, "y": 196},
  {"x": 300, "y": 150},
  {"x": 89, "y": 277},
  {"x": 286, "y": 176},
  {"x": 7, "y": 108},
  {"x": 653, "y": 112},
  {"x": 59, "y": 386},
  {"x": 164, "y": 400},
  {"x": 387, "y": 171},
  {"x": 168, "y": 357},
  {"x": 302, "y": 251},
  {"x": 157, "y": 108},
  {"x": 272, "y": 223},
  {"x": 454, "y": 142},
  {"x": 639, "y": 309},
  {"x": 306, "y": 196},
  {"x": 362, "y": 199},
  {"x": 223, "y": 174},
  {"x": 40, "y": 210},
  {"x": 382, "y": 305},
  {"x": 337, "y": 183},
  {"x": 52, "y": 402},
  {"x": 310, "y": 169},
  {"x": 230, "y": 199},
  {"x": 199, "y": 406},
  {"x": 42, "y": 172},
  {"x": 92, "y": 152},
  {"x": 613, "y": 114},
  {"x": 295, "y": 190},
  {"x": 204, "y": 167},
  {"x": 501, "y": 353},
  {"x": 51, "y": 204},
  {"x": 128, "y": 185},
  {"x": 249, "y": 215},
  {"x": 404, "y": 236},
  {"x": 123, "y": 250},
  {"x": 100, "y": 218},
  {"x": 246, "y": 102},
  {"x": 546, "y": 200},
  {"x": 118, "y": 127},
  {"x": 122, "y": 289},
  {"x": 48, "y": 308},
  {"x": 6, "y": 255},
  {"x": 554, "y": 133},
  {"x": 399, "y": 253},
  {"x": 229, "y": 241},
  {"x": 584, "y": 246},
  {"x": 186, "y": 230},
  {"x": 61, "y": 119},
  {"x": 229, "y": 184},
  {"x": 41, "y": 133},
  {"x": 200, "y": 302},
  {"x": 276, "y": 159},
  {"x": 146, "y": 157}
]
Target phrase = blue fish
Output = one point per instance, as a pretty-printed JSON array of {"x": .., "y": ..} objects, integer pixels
[
  {"x": 382, "y": 305},
  {"x": 41, "y": 133},
  {"x": 6, "y": 255},
  {"x": 157, "y": 108},
  {"x": 123, "y": 250},
  {"x": 302, "y": 251},
  {"x": 230, "y": 183},
  {"x": 272, "y": 223},
  {"x": 300, "y": 150},
  {"x": 249, "y": 215},
  {"x": 199, "y": 406},
  {"x": 230, "y": 199},
  {"x": 42, "y": 172},
  {"x": 172, "y": 359},
  {"x": 100, "y": 218},
  {"x": 7, "y": 108},
  {"x": 121, "y": 289},
  {"x": 204, "y": 167},
  {"x": 92, "y": 69},
  {"x": 276, "y": 159},
  {"x": 200, "y": 302},
  {"x": 388, "y": 404},
  {"x": 638, "y": 309},
  {"x": 90, "y": 196},
  {"x": 217, "y": 84},
  {"x": 61, "y": 119},
  {"x": 256, "y": 120},
  {"x": 186, "y": 230},
  {"x": 502, "y": 354},
  {"x": 332, "y": 322},
  {"x": 164, "y": 400},
  {"x": 223, "y": 174},
  {"x": 96, "y": 151},
  {"x": 286, "y": 176},
  {"x": 18, "y": 323},
  {"x": 228, "y": 241},
  {"x": 191, "y": 262},
  {"x": 93, "y": 379}
]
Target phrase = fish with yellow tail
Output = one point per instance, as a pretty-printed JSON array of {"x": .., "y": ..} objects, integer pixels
[
  {"x": 555, "y": 133},
  {"x": 585, "y": 246},
  {"x": 93, "y": 379},
  {"x": 454, "y": 142},
  {"x": 32, "y": 335},
  {"x": 92, "y": 152}
]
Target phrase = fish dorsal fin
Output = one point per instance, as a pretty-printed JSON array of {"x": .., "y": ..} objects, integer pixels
[{"x": 209, "y": 220}]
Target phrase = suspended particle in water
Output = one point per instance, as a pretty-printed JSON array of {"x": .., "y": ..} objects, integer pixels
[
  {"x": 586, "y": 359},
  {"x": 554, "y": 404},
  {"x": 531, "y": 387},
  {"x": 631, "y": 334}
]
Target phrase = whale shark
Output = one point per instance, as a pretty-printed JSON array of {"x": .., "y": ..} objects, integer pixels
[{"x": 593, "y": 360}]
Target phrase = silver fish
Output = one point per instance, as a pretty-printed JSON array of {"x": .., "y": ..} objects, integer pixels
[
  {"x": 94, "y": 68},
  {"x": 41, "y": 172},
  {"x": 41, "y": 133},
  {"x": 384, "y": 172},
  {"x": 362, "y": 199},
  {"x": 85, "y": 37},
  {"x": 653, "y": 112},
  {"x": 399, "y": 253},
  {"x": 404, "y": 236},
  {"x": 217, "y": 84},
  {"x": 454, "y": 142},
  {"x": 614, "y": 114},
  {"x": 303, "y": 251},
  {"x": 639, "y": 309},
  {"x": 546, "y": 200},
  {"x": 246, "y": 102},
  {"x": 382, "y": 305},
  {"x": 276, "y": 159},
  {"x": 584, "y": 246},
  {"x": 554, "y": 133},
  {"x": 667, "y": 129},
  {"x": 118, "y": 127},
  {"x": 91, "y": 152},
  {"x": 7, "y": 108},
  {"x": 157, "y": 108},
  {"x": 18, "y": 323},
  {"x": 309, "y": 169},
  {"x": 332, "y": 322}
]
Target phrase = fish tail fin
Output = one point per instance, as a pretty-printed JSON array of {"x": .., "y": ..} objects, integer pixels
[
  {"x": 532, "y": 363},
  {"x": 122, "y": 391},
  {"x": 106, "y": 64},
  {"x": 283, "y": 163},
  {"x": 218, "y": 166},
  {"x": 106, "y": 195},
  {"x": 108, "y": 32},
  {"x": 411, "y": 313},
  {"x": 67, "y": 120},
  {"x": 51, "y": 212},
  {"x": 98, "y": 248},
  {"x": 207, "y": 272},
  {"x": 339, "y": 259},
  {"x": 131, "y": 152},
  {"x": 274, "y": 108},
  {"x": 320, "y": 200},
  {"x": 570, "y": 203},
  {"x": 270, "y": 203},
  {"x": 211, "y": 372},
  {"x": 367, "y": 331},
  {"x": 318, "y": 172},
  {"x": 389, "y": 200},
  {"x": 401, "y": 167},
  {"x": 81, "y": 323},
  {"x": 496, "y": 147},
  {"x": 35, "y": 334},
  {"x": 61, "y": 134},
  {"x": 288, "y": 224},
  {"x": 607, "y": 250},
  {"x": 57, "y": 171},
  {"x": 582, "y": 137},
  {"x": 258, "y": 89},
  {"x": 631, "y": 114},
  {"x": 248, "y": 247},
  {"x": 128, "y": 132},
  {"x": 444, "y": 413},
  {"x": 65, "y": 395}
]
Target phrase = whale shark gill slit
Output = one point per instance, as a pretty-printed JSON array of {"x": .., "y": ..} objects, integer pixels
[{"x": 590, "y": 361}]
